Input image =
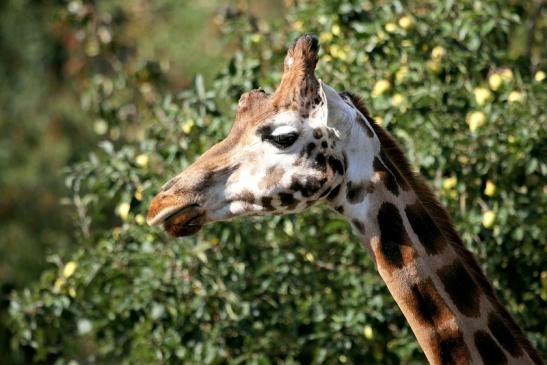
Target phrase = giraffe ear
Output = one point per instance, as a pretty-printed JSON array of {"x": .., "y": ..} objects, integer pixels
[{"x": 333, "y": 111}]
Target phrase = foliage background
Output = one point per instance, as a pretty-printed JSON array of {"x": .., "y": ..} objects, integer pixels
[{"x": 99, "y": 106}]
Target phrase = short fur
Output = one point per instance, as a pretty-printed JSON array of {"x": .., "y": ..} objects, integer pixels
[{"x": 444, "y": 223}]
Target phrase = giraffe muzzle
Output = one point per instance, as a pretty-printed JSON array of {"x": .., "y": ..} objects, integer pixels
[
  {"x": 181, "y": 221},
  {"x": 185, "y": 221}
]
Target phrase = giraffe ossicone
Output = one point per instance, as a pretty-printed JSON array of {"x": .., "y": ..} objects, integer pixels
[{"x": 307, "y": 144}]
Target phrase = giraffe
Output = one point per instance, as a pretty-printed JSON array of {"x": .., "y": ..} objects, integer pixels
[{"x": 307, "y": 144}]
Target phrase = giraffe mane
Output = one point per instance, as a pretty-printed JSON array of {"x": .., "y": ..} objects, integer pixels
[{"x": 443, "y": 221}]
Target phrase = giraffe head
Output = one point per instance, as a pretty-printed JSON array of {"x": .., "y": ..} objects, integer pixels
[{"x": 282, "y": 155}]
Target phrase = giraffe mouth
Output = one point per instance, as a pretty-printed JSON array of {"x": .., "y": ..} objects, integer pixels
[{"x": 185, "y": 221}]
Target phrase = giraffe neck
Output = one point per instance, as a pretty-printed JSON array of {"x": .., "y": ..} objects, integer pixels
[{"x": 447, "y": 301}]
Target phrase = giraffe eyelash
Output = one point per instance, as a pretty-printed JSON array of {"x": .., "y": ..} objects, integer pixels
[{"x": 281, "y": 141}]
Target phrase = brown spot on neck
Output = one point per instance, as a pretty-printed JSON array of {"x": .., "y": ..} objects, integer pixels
[
  {"x": 356, "y": 192},
  {"x": 488, "y": 349},
  {"x": 395, "y": 249},
  {"x": 503, "y": 334},
  {"x": 385, "y": 176},
  {"x": 425, "y": 229},
  {"x": 334, "y": 192},
  {"x": 287, "y": 200},
  {"x": 401, "y": 179},
  {"x": 452, "y": 350},
  {"x": 461, "y": 288}
]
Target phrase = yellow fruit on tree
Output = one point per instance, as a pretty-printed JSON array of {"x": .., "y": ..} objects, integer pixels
[
  {"x": 123, "y": 210},
  {"x": 390, "y": 27},
  {"x": 69, "y": 269},
  {"x": 406, "y": 22},
  {"x": 482, "y": 95},
  {"x": 488, "y": 219},
  {"x": 475, "y": 120},
  {"x": 142, "y": 160},
  {"x": 495, "y": 81},
  {"x": 490, "y": 188},
  {"x": 515, "y": 97},
  {"x": 450, "y": 183},
  {"x": 380, "y": 87},
  {"x": 438, "y": 53}
]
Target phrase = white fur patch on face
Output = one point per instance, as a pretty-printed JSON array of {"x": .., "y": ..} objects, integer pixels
[{"x": 284, "y": 129}]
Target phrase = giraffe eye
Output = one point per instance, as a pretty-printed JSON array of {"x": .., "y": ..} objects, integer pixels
[{"x": 281, "y": 140}]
